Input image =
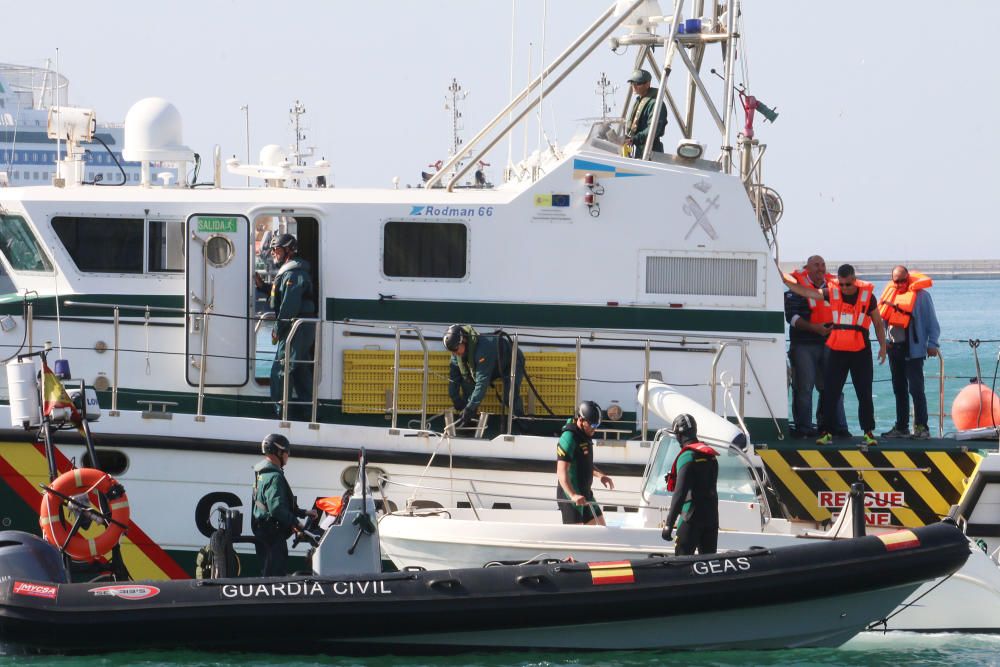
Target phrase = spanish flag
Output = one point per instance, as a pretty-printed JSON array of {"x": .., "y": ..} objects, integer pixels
[
  {"x": 612, "y": 572},
  {"x": 901, "y": 539},
  {"x": 54, "y": 397}
]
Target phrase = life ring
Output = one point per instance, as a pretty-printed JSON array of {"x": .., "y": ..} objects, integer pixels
[{"x": 89, "y": 482}]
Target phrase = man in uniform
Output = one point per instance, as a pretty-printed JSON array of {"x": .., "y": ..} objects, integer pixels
[
  {"x": 640, "y": 116},
  {"x": 476, "y": 361},
  {"x": 291, "y": 298},
  {"x": 575, "y": 469},
  {"x": 695, "y": 503},
  {"x": 275, "y": 514}
]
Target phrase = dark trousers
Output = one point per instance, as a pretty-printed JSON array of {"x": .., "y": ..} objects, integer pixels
[
  {"x": 272, "y": 556},
  {"x": 300, "y": 377},
  {"x": 692, "y": 535},
  {"x": 859, "y": 365},
  {"x": 907, "y": 378},
  {"x": 808, "y": 364}
]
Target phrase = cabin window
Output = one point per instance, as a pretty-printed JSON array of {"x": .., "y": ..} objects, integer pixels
[
  {"x": 425, "y": 250},
  {"x": 19, "y": 245},
  {"x": 166, "y": 246},
  {"x": 102, "y": 245}
]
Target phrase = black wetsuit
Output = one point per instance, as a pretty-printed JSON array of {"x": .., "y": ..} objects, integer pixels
[{"x": 696, "y": 503}]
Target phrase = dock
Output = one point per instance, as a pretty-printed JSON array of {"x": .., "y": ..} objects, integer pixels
[{"x": 938, "y": 269}]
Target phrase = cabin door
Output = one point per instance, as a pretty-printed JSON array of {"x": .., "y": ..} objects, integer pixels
[{"x": 217, "y": 300}]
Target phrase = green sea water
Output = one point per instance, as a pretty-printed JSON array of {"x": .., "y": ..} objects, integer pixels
[{"x": 966, "y": 309}]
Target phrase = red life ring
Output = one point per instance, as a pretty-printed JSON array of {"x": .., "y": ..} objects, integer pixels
[{"x": 74, "y": 483}]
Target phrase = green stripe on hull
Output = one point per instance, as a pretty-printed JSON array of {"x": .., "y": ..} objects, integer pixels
[
  {"x": 13, "y": 304},
  {"x": 547, "y": 315}
]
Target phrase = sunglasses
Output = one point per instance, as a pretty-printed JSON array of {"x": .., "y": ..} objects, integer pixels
[{"x": 902, "y": 281}]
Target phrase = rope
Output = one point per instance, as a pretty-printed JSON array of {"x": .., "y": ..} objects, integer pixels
[{"x": 903, "y": 607}]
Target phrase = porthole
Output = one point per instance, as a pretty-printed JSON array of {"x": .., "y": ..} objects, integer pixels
[
  {"x": 110, "y": 461},
  {"x": 219, "y": 251}
]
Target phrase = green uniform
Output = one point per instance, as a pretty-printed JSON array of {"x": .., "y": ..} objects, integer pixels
[
  {"x": 292, "y": 298},
  {"x": 273, "y": 517},
  {"x": 639, "y": 119},
  {"x": 486, "y": 358},
  {"x": 577, "y": 449}
]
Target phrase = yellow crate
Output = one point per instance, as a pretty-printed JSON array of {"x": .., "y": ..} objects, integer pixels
[{"x": 367, "y": 381}]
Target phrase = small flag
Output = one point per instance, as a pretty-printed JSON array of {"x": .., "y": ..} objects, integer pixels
[
  {"x": 612, "y": 572},
  {"x": 54, "y": 397},
  {"x": 901, "y": 539}
]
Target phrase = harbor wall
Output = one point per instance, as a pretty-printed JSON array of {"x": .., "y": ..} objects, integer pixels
[{"x": 938, "y": 269}]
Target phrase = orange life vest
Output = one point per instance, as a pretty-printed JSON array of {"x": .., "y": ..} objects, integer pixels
[
  {"x": 850, "y": 322},
  {"x": 819, "y": 311},
  {"x": 896, "y": 306}
]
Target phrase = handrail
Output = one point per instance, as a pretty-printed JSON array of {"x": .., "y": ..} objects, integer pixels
[
  {"x": 314, "y": 362},
  {"x": 523, "y": 94},
  {"x": 940, "y": 394},
  {"x": 395, "y": 375}
]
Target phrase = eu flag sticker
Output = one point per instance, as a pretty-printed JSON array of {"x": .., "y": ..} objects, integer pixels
[
  {"x": 560, "y": 200},
  {"x": 552, "y": 201}
]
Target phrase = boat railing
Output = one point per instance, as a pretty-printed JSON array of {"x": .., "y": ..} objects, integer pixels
[
  {"x": 474, "y": 496},
  {"x": 117, "y": 310},
  {"x": 315, "y": 362}
]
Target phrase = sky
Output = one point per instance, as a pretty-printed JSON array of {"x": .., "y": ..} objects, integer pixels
[{"x": 885, "y": 147}]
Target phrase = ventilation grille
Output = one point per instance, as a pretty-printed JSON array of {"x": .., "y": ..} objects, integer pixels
[{"x": 702, "y": 276}]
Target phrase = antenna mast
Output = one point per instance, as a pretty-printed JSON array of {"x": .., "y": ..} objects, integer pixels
[
  {"x": 295, "y": 114},
  {"x": 455, "y": 95},
  {"x": 606, "y": 90}
]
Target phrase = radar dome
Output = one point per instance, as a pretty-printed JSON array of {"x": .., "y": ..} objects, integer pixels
[
  {"x": 272, "y": 155},
  {"x": 153, "y": 132}
]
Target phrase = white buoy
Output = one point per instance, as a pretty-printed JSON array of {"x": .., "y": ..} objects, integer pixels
[{"x": 23, "y": 387}]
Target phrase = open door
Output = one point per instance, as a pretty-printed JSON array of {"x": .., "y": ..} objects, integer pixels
[{"x": 217, "y": 300}]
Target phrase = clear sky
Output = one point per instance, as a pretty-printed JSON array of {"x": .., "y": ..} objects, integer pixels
[{"x": 885, "y": 147}]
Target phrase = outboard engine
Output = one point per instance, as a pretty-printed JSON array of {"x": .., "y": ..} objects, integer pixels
[{"x": 26, "y": 556}]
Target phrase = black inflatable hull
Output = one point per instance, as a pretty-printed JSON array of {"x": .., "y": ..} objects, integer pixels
[{"x": 815, "y": 594}]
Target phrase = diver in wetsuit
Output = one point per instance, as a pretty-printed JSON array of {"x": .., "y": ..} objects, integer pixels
[{"x": 695, "y": 504}]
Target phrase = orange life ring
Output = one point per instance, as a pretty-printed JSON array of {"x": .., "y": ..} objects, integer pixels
[{"x": 74, "y": 483}]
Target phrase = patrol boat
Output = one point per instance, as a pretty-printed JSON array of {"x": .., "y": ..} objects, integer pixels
[
  {"x": 148, "y": 292},
  {"x": 801, "y": 596}
]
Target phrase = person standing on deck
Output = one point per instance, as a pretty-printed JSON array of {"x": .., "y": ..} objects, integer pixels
[
  {"x": 908, "y": 310},
  {"x": 853, "y": 309},
  {"x": 808, "y": 328},
  {"x": 291, "y": 298},
  {"x": 575, "y": 469},
  {"x": 695, "y": 503},
  {"x": 275, "y": 515},
  {"x": 640, "y": 116}
]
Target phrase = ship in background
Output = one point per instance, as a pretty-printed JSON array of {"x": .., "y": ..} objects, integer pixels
[{"x": 27, "y": 154}]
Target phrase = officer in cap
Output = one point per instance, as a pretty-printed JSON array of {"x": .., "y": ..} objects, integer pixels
[
  {"x": 275, "y": 514},
  {"x": 575, "y": 469},
  {"x": 695, "y": 503},
  {"x": 291, "y": 298},
  {"x": 640, "y": 115}
]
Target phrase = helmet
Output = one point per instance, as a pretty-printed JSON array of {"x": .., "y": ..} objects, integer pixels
[
  {"x": 275, "y": 443},
  {"x": 286, "y": 241},
  {"x": 685, "y": 427},
  {"x": 590, "y": 412},
  {"x": 454, "y": 337}
]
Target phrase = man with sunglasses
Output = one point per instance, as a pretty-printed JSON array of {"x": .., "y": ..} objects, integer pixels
[
  {"x": 640, "y": 116},
  {"x": 575, "y": 468},
  {"x": 853, "y": 309},
  {"x": 908, "y": 309}
]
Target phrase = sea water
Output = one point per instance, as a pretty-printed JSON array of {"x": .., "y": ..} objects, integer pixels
[{"x": 967, "y": 310}]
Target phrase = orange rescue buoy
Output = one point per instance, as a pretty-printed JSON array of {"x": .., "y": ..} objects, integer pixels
[
  {"x": 976, "y": 406},
  {"x": 76, "y": 483}
]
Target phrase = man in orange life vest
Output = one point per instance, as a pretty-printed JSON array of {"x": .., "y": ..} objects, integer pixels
[
  {"x": 908, "y": 310},
  {"x": 853, "y": 307},
  {"x": 807, "y": 333}
]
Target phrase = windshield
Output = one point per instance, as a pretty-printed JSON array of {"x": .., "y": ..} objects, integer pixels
[
  {"x": 736, "y": 481},
  {"x": 19, "y": 246}
]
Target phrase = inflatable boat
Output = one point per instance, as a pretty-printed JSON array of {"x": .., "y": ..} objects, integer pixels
[{"x": 813, "y": 594}]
